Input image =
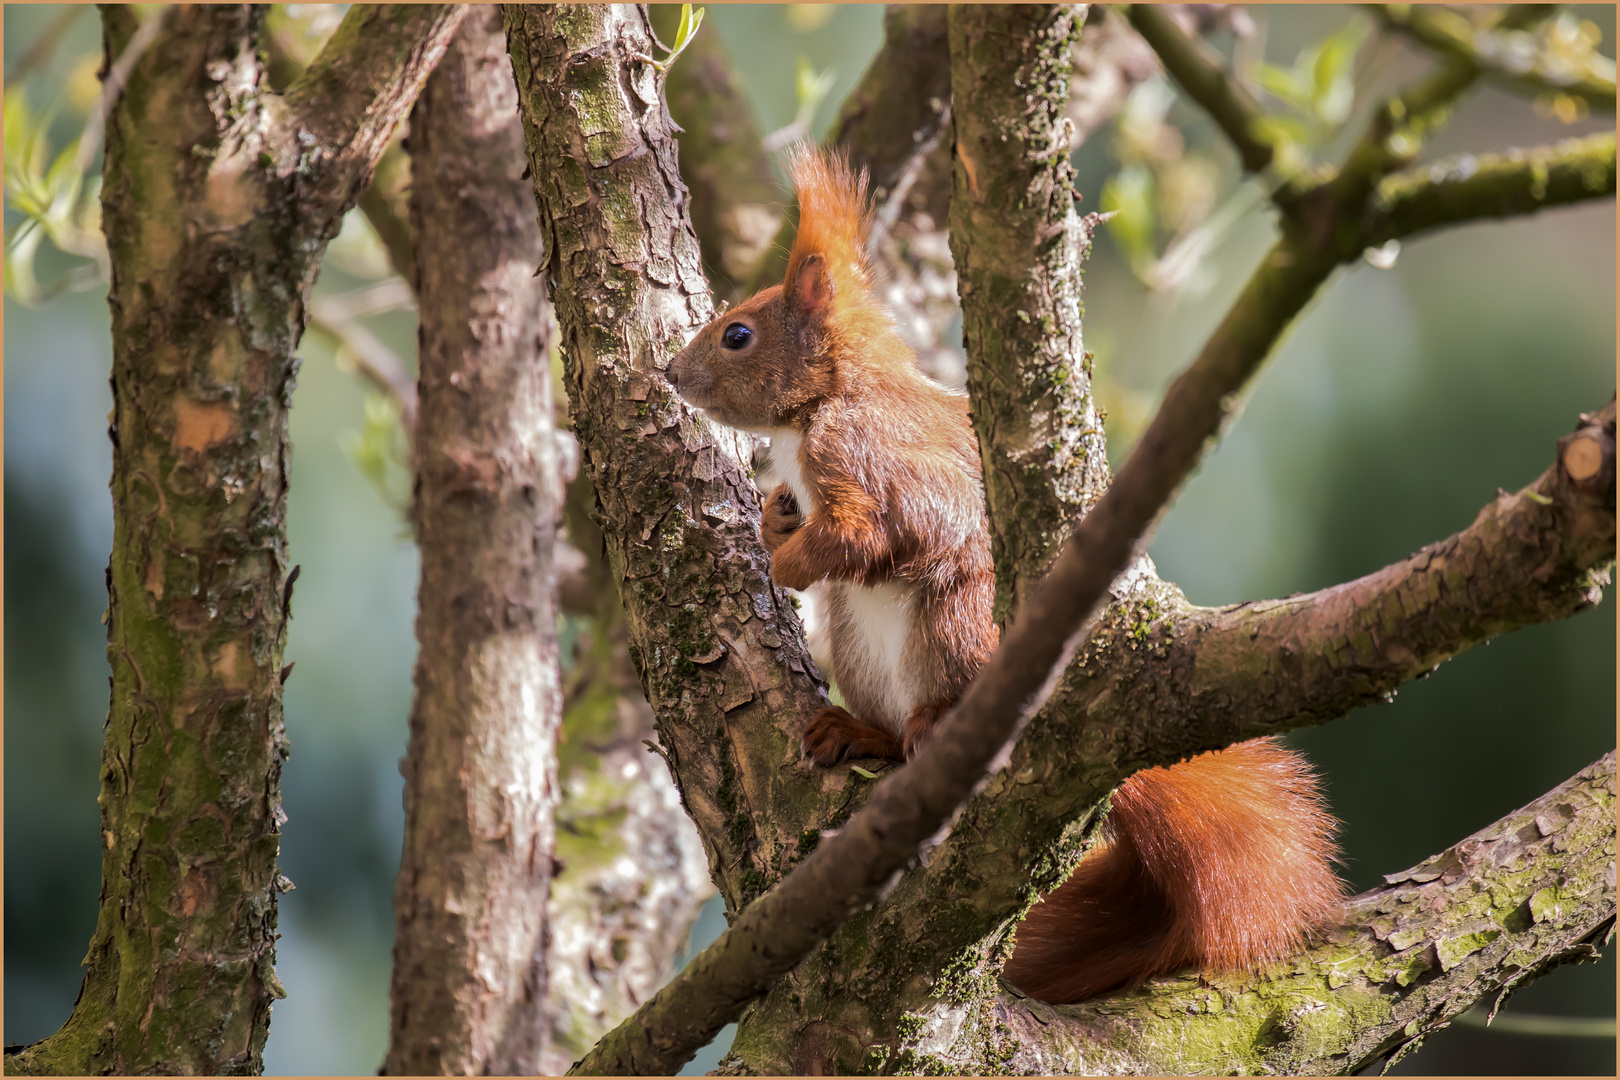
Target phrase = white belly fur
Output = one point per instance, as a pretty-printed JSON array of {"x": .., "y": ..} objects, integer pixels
[{"x": 868, "y": 657}]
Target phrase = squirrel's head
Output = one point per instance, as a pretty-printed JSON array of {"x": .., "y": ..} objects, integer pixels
[{"x": 771, "y": 358}]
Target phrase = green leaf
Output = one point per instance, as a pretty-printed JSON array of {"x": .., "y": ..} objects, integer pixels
[
  {"x": 1288, "y": 137},
  {"x": 1284, "y": 84},
  {"x": 1333, "y": 85},
  {"x": 20, "y": 282},
  {"x": 690, "y": 21},
  {"x": 63, "y": 182},
  {"x": 863, "y": 772},
  {"x": 379, "y": 451},
  {"x": 811, "y": 88}
]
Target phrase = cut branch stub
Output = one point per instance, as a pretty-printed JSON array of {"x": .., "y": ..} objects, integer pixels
[{"x": 1588, "y": 457}]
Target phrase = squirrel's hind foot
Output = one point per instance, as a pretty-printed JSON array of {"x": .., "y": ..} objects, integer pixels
[{"x": 833, "y": 735}]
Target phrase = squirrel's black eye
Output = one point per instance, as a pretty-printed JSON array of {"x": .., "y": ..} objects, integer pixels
[{"x": 736, "y": 336}]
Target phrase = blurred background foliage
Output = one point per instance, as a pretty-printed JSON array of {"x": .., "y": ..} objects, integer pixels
[{"x": 1417, "y": 384}]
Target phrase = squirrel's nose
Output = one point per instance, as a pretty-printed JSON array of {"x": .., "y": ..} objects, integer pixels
[{"x": 673, "y": 376}]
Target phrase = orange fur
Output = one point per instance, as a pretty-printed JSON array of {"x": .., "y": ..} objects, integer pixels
[{"x": 1221, "y": 862}]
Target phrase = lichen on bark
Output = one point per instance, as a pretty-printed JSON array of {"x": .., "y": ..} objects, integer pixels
[{"x": 214, "y": 243}]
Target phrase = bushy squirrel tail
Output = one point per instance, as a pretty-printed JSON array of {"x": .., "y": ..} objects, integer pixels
[{"x": 1222, "y": 862}]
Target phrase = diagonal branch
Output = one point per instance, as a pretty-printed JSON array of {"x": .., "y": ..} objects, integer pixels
[
  {"x": 1497, "y": 910},
  {"x": 340, "y": 113},
  {"x": 712, "y": 643},
  {"x": 288, "y": 40},
  {"x": 1198, "y": 70},
  {"x": 1469, "y": 187},
  {"x": 1516, "y": 64}
]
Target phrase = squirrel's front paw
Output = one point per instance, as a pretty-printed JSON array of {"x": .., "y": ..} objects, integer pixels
[
  {"x": 780, "y": 518},
  {"x": 790, "y": 575}
]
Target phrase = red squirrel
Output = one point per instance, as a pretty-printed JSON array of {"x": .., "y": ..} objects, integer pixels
[{"x": 1223, "y": 861}]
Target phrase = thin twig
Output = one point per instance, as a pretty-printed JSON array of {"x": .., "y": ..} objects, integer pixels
[
  {"x": 1557, "y": 1027},
  {"x": 1200, "y": 72},
  {"x": 1400, "y": 125},
  {"x": 379, "y": 364},
  {"x": 1498, "y": 58},
  {"x": 45, "y": 46}
]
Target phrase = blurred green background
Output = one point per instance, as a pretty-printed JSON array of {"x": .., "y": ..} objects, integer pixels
[{"x": 1392, "y": 413}]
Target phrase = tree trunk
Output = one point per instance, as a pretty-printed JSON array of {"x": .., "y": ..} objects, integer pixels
[
  {"x": 215, "y": 240},
  {"x": 481, "y": 769},
  {"x": 718, "y": 648},
  {"x": 633, "y": 876}
]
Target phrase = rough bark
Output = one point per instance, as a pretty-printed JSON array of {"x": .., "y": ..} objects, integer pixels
[
  {"x": 1018, "y": 245},
  {"x": 630, "y": 878},
  {"x": 1474, "y": 187},
  {"x": 218, "y": 200},
  {"x": 907, "y": 986},
  {"x": 718, "y": 647},
  {"x": 480, "y": 768}
]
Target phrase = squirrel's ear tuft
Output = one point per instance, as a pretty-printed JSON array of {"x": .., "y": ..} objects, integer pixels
[
  {"x": 832, "y": 228},
  {"x": 810, "y": 293}
]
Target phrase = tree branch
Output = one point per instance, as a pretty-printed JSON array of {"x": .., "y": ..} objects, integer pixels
[
  {"x": 381, "y": 366},
  {"x": 1468, "y": 188},
  {"x": 620, "y": 260},
  {"x": 849, "y": 870},
  {"x": 384, "y": 202},
  {"x": 1199, "y": 71},
  {"x": 1535, "y": 556},
  {"x": 1501, "y": 59},
  {"x": 214, "y": 233},
  {"x": 1487, "y": 916},
  {"x": 718, "y": 647},
  {"x": 481, "y": 790},
  {"x": 340, "y": 113},
  {"x": 1018, "y": 245},
  {"x": 1399, "y": 126},
  {"x": 1091, "y": 736}
]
